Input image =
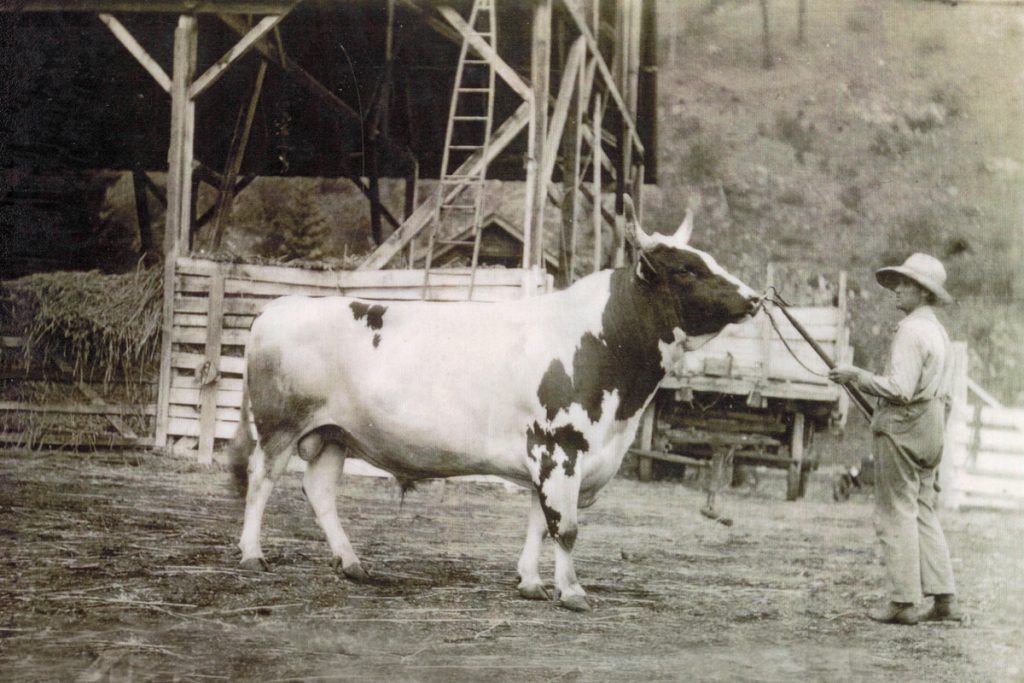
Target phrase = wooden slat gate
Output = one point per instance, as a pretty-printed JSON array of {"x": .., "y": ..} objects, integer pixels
[
  {"x": 215, "y": 304},
  {"x": 983, "y": 465}
]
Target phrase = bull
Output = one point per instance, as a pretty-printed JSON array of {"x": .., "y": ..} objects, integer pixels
[{"x": 546, "y": 392}]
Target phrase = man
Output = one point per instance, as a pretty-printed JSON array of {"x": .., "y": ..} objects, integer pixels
[{"x": 907, "y": 432}]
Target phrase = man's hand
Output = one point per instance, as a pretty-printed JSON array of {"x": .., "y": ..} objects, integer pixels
[{"x": 843, "y": 374}]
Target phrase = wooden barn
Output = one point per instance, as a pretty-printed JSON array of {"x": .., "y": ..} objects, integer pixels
[{"x": 558, "y": 97}]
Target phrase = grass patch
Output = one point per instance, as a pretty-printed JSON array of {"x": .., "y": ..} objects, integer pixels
[
  {"x": 703, "y": 159},
  {"x": 796, "y": 131}
]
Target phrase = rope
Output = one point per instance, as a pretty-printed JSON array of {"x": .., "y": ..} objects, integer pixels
[{"x": 786, "y": 343}]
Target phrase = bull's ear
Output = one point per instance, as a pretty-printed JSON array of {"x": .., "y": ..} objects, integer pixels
[{"x": 644, "y": 268}]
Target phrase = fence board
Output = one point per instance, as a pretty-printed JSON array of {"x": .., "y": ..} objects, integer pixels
[
  {"x": 190, "y": 361},
  {"x": 992, "y": 416},
  {"x": 190, "y": 396}
]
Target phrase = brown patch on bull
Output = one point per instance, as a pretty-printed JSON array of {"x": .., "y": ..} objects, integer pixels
[
  {"x": 374, "y": 316},
  {"x": 573, "y": 443}
]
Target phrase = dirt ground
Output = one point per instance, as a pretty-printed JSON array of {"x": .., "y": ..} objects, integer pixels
[{"x": 123, "y": 567}]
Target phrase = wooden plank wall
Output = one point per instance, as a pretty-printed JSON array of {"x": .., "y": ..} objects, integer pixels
[{"x": 215, "y": 304}]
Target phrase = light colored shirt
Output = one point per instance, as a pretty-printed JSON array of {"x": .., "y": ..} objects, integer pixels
[{"x": 920, "y": 362}]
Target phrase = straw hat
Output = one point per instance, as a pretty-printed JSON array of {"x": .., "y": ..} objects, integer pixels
[{"x": 923, "y": 269}]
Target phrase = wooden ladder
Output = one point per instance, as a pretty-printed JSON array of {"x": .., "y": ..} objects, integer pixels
[{"x": 470, "y": 119}]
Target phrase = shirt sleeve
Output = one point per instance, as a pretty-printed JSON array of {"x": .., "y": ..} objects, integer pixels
[{"x": 899, "y": 384}]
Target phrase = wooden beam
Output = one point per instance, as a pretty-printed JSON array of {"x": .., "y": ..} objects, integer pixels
[
  {"x": 178, "y": 201},
  {"x": 137, "y": 51},
  {"x": 192, "y": 7},
  {"x": 236, "y": 154},
  {"x": 432, "y": 21},
  {"x": 270, "y": 53},
  {"x": 571, "y": 168},
  {"x": 536, "y": 189},
  {"x": 501, "y": 67},
  {"x": 368, "y": 193},
  {"x": 411, "y": 227},
  {"x": 248, "y": 41},
  {"x": 561, "y": 111},
  {"x": 606, "y": 74}
]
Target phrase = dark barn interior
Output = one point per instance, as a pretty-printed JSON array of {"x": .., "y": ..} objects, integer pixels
[{"x": 74, "y": 101}]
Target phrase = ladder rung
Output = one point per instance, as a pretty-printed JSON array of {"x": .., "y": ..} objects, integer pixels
[
  {"x": 474, "y": 90},
  {"x": 461, "y": 179},
  {"x": 463, "y": 117},
  {"x": 458, "y": 207},
  {"x": 466, "y": 147},
  {"x": 475, "y": 61}
]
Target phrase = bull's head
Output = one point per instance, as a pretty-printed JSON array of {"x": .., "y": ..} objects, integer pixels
[{"x": 705, "y": 296}]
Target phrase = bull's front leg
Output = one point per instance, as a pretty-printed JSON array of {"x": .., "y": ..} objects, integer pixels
[
  {"x": 557, "y": 477},
  {"x": 530, "y": 585}
]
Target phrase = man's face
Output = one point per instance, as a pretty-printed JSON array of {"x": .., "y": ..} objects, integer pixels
[{"x": 909, "y": 295}]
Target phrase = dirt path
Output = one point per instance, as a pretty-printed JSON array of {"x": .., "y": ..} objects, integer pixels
[{"x": 123, "y": 568}]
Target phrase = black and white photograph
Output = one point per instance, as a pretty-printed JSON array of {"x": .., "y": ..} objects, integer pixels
[{"x": 511, "y": 340}]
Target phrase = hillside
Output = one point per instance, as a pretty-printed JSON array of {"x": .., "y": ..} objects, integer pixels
[{"x": 896, "y": 127}]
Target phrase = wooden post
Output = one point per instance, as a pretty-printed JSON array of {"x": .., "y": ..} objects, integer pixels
[
  {"x": 953, "y": 452},
  {"x": 766, "y": 329},
  {"x": 598, "y": 154},
  {"x": 647, "y": 424},
  {"x": 801, "y": 23},
  {"x": 209, "y": 376},
  {"x": 179, "y": 185},
  {"x": 146, "y": 245},
  {"x": 796, "y": 454},
  {"x": 540, "y": 73},
  {"x": 766, "y": 36},
  {"x": 571, "y": 173},
  {"x": 379, "y": 126},
  {"x": 411, "y": 201},
  {"x": 559, "y": 119}
]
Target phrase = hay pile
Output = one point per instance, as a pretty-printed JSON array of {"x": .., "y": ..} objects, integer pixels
[
  {"x": 86, "y": 338},
  {"x": 103, "y": 326}
]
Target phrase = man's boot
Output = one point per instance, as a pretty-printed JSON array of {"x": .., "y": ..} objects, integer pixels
[
  {"x": 895, "y": 613},
  {"x": 944, "y": 608}
]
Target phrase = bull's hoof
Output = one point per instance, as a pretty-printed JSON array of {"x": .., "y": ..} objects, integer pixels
[
  {"x": 574, "y": 603},
  {"x": 533, "y": 591},
  {"x": 255, "y": 564},
  {"x": 353, "y": 572}
]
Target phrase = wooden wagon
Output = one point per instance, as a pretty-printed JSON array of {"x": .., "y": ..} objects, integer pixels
[{"x": 751, "y": 396}]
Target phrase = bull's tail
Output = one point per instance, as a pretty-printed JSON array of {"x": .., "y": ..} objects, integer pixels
[{"x": 241, "y": 446}]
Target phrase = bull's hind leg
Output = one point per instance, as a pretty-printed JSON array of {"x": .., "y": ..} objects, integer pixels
[
  {"x": 320, "y": 485},
  {"x": 530, "y": 585},
  {"x": 263, "y": 472}
]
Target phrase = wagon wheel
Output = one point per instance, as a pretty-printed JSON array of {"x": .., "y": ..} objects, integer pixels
[{"x": 796, "y": 478}]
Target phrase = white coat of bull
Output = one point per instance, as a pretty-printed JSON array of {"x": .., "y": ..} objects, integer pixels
[{"x": 546, "y": 391}]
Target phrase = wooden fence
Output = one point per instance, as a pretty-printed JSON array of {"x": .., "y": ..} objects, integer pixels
[
  {"x": 983, "y": 465},
  {"x": 215, "y": 303}
]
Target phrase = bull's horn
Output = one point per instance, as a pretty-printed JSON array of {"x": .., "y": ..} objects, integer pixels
[
  {"x": 682, "y": 236},
  {"x": 645, "y": 241}
]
